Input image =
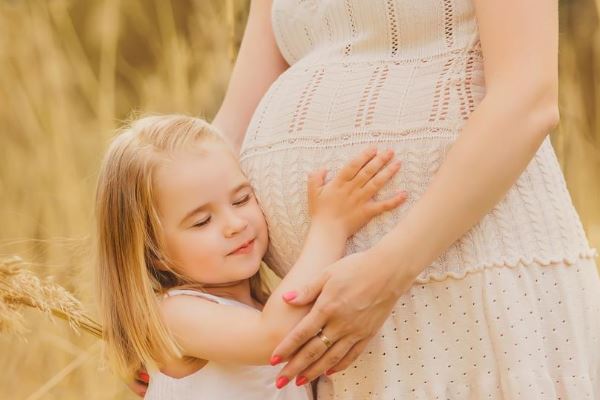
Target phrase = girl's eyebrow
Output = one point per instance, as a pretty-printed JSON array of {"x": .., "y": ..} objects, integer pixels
[
  {"x": 241, "y": 186},
  {"x": 201, "y": 207}
]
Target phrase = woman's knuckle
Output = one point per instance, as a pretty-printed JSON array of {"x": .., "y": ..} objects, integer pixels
[
  {"x": 312, "y": 354},
  {"x": 334, "y": 359},
  {"x": 329, "y": 309},
  {"x": 298, "y": 337}
]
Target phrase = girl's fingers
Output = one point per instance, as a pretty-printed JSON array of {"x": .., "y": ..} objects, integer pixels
[
  {"x": 315, "y": 182},
  {"x": 375, "y": 165},
  {"x": 349, "y": 171},
  {"x": 329, "y": 360},
  {"x": 138, "y": 387},
  {"x": 378, "y": 207},
  {"x": 379, "y": 180}
]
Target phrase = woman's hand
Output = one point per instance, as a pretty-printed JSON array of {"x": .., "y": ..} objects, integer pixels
[{"x": 354, "y": 296}]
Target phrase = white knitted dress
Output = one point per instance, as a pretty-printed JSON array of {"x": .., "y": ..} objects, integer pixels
[{"x": 511, "y": 310}]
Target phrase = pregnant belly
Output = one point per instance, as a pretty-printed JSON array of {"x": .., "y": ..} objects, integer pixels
[{"x": 314, "y": 118}]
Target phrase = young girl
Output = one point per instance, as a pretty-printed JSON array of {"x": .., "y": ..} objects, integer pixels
[{"x": 181, "y": 238}]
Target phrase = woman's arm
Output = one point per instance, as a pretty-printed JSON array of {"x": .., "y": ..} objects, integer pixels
[
  {"x": 258, "y": 64},
  {"x": 520, "y": 44},
  {"x": 339, "y": 208}
]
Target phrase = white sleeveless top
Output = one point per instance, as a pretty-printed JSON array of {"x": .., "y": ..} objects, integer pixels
[{"x": 218, "y": 381}]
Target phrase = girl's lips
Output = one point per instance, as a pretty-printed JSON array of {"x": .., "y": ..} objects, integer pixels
[{"x": 244, "y": 249}]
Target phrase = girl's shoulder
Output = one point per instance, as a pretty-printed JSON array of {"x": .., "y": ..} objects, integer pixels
[
  {"x": 195, "y": 293},
  {"x": 172, "y": 295}
]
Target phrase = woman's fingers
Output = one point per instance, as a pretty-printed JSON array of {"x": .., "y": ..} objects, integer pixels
[
  {"x": 349, "y": 171},
  {"x": 349, "y": 357},
  {"x": 304, "y": 331},
  {"x": 330, "y": 359},
  {"x": 374, "y": 166},
  {"x": 310, "y": 353},
  {"x": 308, "y": 293}
]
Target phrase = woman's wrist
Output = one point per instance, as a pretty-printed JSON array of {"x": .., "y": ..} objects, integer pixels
[{"x": 395, "y": 260}]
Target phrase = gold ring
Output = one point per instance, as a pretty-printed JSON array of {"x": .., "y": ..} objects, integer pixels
[{"x": 325, "y": 339}]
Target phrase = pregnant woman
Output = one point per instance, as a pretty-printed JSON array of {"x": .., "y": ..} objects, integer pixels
[{"x": 482, "y": 286}]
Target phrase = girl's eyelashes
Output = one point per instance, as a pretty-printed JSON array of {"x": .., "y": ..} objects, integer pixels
[
  {"x": 201, "y": 223},
  {"x": 243, "y": 200}
]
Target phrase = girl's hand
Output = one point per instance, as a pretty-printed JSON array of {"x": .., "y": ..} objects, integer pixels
[
  {"x": 346, "y": 202},
  {"x": 139, "y": 384},
  {"x": 354, "y": 296}
]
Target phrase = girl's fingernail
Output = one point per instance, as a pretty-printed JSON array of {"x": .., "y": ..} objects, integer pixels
[
  {"x": 144, "y": 377},
  {"x": 329, "y": 371},
  {"x": 289, "y": 296},
  {"x": 301, "y": 380},
  {"x": 281, "y": 382},
  {"x": 275, "y": 360}
]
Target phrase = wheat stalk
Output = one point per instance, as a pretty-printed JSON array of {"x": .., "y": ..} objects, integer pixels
[{"x": 20, "y": 287}]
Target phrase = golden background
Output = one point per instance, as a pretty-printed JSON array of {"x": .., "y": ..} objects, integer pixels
[{"x": 71, "y": 71}]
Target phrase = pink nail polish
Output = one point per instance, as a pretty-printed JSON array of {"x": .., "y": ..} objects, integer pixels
[
  {"x": 275, "y": 360},
  {"x": 301, "y": 380},
  {"x": 289, "y": 296},
  {"x": 144, "y": 377},
  {"x": 281, "y": 382}
]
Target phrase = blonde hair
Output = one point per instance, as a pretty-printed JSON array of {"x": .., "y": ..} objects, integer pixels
[{"x": 129, "y": 240}]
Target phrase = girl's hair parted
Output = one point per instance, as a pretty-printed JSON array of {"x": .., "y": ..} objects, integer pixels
[{"x": 133, "y": 271}]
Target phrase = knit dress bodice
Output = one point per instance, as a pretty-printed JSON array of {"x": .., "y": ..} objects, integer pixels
[{"x": 397, "y": 74}]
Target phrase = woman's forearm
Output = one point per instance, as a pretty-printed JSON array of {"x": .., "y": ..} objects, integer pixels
[
  {"x": 494, "y": 147},
  {"x": 258, "y": 64}
]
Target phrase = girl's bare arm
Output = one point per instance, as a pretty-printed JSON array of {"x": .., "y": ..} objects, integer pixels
[{"x": 217, "y": 332}]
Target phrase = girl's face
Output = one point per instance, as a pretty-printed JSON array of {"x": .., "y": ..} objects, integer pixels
[{"x": 213, "y": 227}]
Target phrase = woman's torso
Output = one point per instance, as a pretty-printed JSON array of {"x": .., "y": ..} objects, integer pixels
[
  {"x": 402, "y": 74},
  {"x": 222, "y": 381}
]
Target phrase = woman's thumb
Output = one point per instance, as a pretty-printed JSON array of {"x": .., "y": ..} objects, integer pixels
[{"x": 307, "y": 294}]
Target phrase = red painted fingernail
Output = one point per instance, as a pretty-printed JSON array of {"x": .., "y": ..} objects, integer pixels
[
  {"x": 288, "y": 296},
  {"x": 144, "y": 377},
  {"x": 301, "y": 380},
  {"x": 329, "y": 372},
  {"x": 281, "y": 382},
  {"x": 275, "y": 360}
]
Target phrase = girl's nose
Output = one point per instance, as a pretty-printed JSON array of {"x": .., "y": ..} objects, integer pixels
[{"x": 234, "y": 224}]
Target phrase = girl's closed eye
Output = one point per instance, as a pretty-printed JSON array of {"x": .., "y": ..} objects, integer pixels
[
  {"x": 243, "y": 200},
  {"x": 201, "y": 223}
]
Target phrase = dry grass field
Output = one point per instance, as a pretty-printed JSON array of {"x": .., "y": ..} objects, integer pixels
[{"x": 72, "y": 70}]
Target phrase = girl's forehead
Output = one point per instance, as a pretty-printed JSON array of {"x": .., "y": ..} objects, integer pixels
[{"x": 198, "y": 169}]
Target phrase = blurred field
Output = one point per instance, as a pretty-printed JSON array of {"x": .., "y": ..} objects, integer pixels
[{"x": 70, "y": 71}]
